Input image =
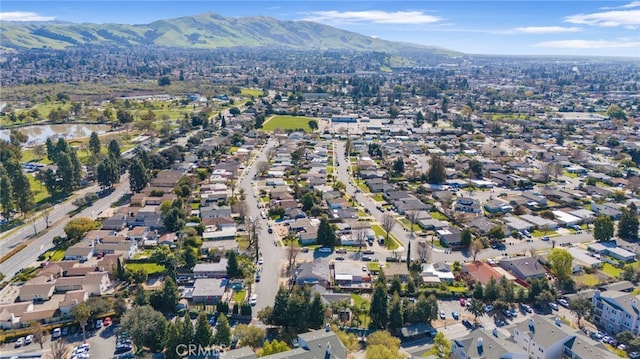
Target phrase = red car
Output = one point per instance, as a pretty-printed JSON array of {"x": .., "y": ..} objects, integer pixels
[
  {"x": 107, "y": 321},
  {"x": 462, "y": 302}
]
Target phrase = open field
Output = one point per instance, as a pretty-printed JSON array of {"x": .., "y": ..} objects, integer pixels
[
  {"x": 40, "y": 192},
  {"x": 251, "y": 92},
  {"x": 288, "y": 123}
]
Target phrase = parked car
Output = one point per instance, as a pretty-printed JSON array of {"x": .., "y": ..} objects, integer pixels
[
  {"x": 442, "y": 315},
  {"x": 341, "y": 251},
  {"x": 455, "y": 315},
  {"x": 28, "y": 339},
  {"x": 56, "y": 333},
  {"x": 527, "y": 308},
  {"x": 563, "y": 302},
  {"x": 467, "y": 323},
  {"x": 545, "y": 238},
  {"x": 19, "y": 342},
  {"x": 325, "y": 250},
  {"x": 65, "y": 331},
  {"x": 367, "y": 259},
  {"x": 553, "y": 306},
  {"x": 462, "y": 302},
  {"x": 254, "y": 299},
  {"x": 107, "y": 321},
  {"x": 261, "y": 261},
  {"x": 488, "y": 308}
]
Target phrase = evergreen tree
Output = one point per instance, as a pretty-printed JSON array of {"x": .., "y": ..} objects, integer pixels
[
  {"x": 173, "y": 339},
  {"x": 114, "y": 149},
  {"x": 278, "y": 315},
  {"x": 6, "y": 200},
  {"x": 326, "y": 235},
  {"x": 138, "y": 175},
  {"x": 628, "y": 223},
  {"x": 316, "y": 313},
  {"x": 170, "y": 295},
  {"x": 94, "y": 144},
  {"x": 395, "y": 312},
  {"x": 119, "y": 269},
  {"x": 491, "y": 290},
  {"x": 223, "y": 331},
  {"x": 22, "y": 193},
  {"x": 76, "y": 167},
  {"x": 379, "y": 306},
  {"x": 141, "y": 298},
  {"x": 203, "y": 335},
  {"x": 296, "y": 313},
  {"x": 233, "y": 271},
  {"x": 396, "y": 286},
  {"x": 186, "y": 330},
  {"x": 65, "y": 172},
  {"x": 437, "y": 173},
  {"x": 603, "y": 228},
  {"x": 52, "y": 151}
]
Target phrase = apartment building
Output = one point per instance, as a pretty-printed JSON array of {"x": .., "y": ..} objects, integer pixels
[{"x": 616, "y": 311}]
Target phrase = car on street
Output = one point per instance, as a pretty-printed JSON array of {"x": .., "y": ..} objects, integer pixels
[
  {"x": 56, "y": 333},
  {"x": 325, "y": 250},
  {"x": 254, "y": 299},
  {"x": 553, "y": 306},
  {"x": 19, "y": 342},
  {"x": 261, "y": 261},
  {"x": 339, "y": 258},
  {"x": 258, "y": 277},
  {"x": 442, "y": 315},
  {"x": 545, "y": 238},
  {"x": 488, "y": 308},
  {"x": 341, "y": 251},
  {"x": 270, "y": 230},
  {"x": 367, "y": 259},
  {"x": 462, "y": 302},
  {"x": 455, "y": 315}
]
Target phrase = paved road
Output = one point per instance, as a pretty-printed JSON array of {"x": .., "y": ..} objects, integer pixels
[
  {"x": 40, "y": 244},
  {"x": 273, "y": 256}
]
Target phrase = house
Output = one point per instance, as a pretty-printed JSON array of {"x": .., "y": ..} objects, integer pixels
[
  {"x": 94, "y": 283},
  {"x": 541, "y": 223},
  {"x": 516, "y": 224},
  {"x": 606, "y": 210},
  {"x": 349, "y": 274},
  {"x": 38, "y": 289},
  {"x": 523, "y": 268},
  {"x": 616, "y": 311},
  {"x": 498, "y": 206},
  {"x": 211, "y": 270},
  {"x": 482, "y": 225},
  {"x": 451, "y": 237},
  {"x": 309, "y": 273},
  {"x": 583, "y": 259},
  {"x": 71, "y": 299},
  {"x": 611, "y": 249},
  {"x": 117, "y": 222},
  {"x": 585, "y": 215},
  {"x": 482, "y": 272},
  {"x": 565, "y": 219},
  {"x": 208, "y": 290},
  {"x": 117, "y": 245},
  {"x": 81, "y": 251},
  {"x": 166, "y": 179},
  {"x": 480, "y": 345},
  {"x": 439, "y": 270},
  {"x": 11, "y": 314},
  {"x": 467, "y": 205}
]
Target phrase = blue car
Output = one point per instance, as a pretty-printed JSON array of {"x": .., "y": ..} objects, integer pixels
[{"x": 455, "y": 315}]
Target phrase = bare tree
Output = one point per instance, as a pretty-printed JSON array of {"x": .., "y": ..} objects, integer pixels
[
  {"x": 46, "y": 210},
  {"x": 59, "y": 349},
  {"x": 475, "y": 247},
  {"x": 412, "y": 216},
  {"x": 262, "y": 168},
  {"x": 424, "y": 251},
  {"x": 271, "y": 154},
  {"x": 532, "y": 251},
  {"x": 360, "y": 235},
  {"x": 39, "y": 334},
  {"x": 39, "y": 150},
  {"x": 633, "y": 184},
  {"x": 241, "y": 208},
  {"x": 254, "y": 228},
  {"x": 33, "y": 220},
  {"x": 292, "y": 254},
  {"x": 387, "y": 224}
]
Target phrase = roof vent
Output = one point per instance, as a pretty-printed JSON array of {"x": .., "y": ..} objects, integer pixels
[
  {"x": 480, "y": 348},
  {"x": 327, "y": 328},
  {"x": 558, "y": 321},
  {"x": 531, "y": 325}
]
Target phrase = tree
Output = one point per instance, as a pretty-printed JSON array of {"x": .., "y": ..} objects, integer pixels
[
  {"x": 475, "y": 248},
  {"x": 466, "y": 237},
  {"x": 395, "y": 312},
  {"x": 297, "y": 311},
  {"x": 223, "y": 331},
  {"x": 560, "y": 261},
  {"x": 59, "y": 349},
  {"x": 326, "y": 235},
  {"x": 186, "y": 330},
  {"x": 313, "y": 125},
  {"x": 441, "y": 346},
  {"x": 170, "y": 294},
  {"x": 22, "y": 193},
  {"x": 316, "y": 313},
  {"x": 387, "y": 224},
  {"x": 628, "y": 223},
  {"x": 164, "y": 81},
  {"x": 278, "y": 315},
  {"x": 379, "y": 310},
  {"x": 94, "y": 144},
  {"x": 476, "y": 309},
  {"x": 603, "y": 228},
  {"x": 138, "y": 175},
  {"x": 6, "y": 200},
  {"x": 437, "y": 173},
  {"x": 76, "y": 228},
  {"x": 398, "y": 167},
  {"x": 146, "y": 326},
  {"x": 426, "y": 308},
  {"x": 349, "y": 340},
  {"x": 249, "y": 335},
  {"x": 582, "y": 307},
  {"x": 475, "y": 167},
  {"x": 203, "y": 335},
  {"x": 382, "y": 344},
  {"x": 273, "y": 347},
  {"x": 173, "y": 340},
  {"x": 46, "y": 210},
  {"x": 495, "y": 233},
  {"x": 81, "y": 313},
  {"x": 491, "y": 292},
  {"x": 616, "y": 113},
  {"x": 120, "y": 306},
  {"x": 39, "y": 333},
  {"x": 233, "y": 270}
]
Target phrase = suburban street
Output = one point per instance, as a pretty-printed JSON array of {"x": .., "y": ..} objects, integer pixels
[
  {"x": 57, "y": 221},
  {"x": 273, "y": 256}
]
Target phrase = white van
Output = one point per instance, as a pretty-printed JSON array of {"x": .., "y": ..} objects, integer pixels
[{"x": 57, "y": 333}]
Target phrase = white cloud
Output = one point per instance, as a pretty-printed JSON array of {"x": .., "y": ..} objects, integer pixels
[
  {"x": 373, "y": 16},
  {"x": 589, "y": 44},
  {"x": 630, "y": 5},
  {"x": 545, "y": 29},
  {"x": 629, "y": 19},
  {"x": 23, "y": 16}
]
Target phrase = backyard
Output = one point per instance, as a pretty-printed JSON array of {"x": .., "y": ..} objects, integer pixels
[{"x": 150, "y": 268}]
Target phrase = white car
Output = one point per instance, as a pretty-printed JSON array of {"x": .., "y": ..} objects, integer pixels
[
  {"x": 19, "y": 342},
  {"x": 261, "y": 261},
  {"x": 254, "y": 299},
  {"x": 28, "y": 339}
]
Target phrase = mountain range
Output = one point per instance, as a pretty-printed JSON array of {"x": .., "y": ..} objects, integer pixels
[{"x": 205, "y": 31}]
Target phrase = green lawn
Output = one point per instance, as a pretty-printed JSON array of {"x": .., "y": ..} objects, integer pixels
[
  {"x": 232, "y": 150},
  {"x": 357, "y": 299},
  {"x": 610, "y": 270},
  {"x": 251, "y": 92},
  {"x": 239, "y": 296},
  {"x": 407, "y": 223},
  {"x": 288, "y": 123},
  {"x": 457, "y": 289},
  {"x": 40, "y": 192},
  {"x": 393, "y": 241},
  {"x": 374, "y": 267},
  {"x": 588, "y": 280},
  {"x": 150, "y": 268},
  {"x": 329, "y": 169},
  {"x": 537, "y": 233},
  {"x": 54, "y": 255},
  {"x": 362, "y": 214},
  {"x": 438, "y": 215},
  {"x": 377, "y": 197}
]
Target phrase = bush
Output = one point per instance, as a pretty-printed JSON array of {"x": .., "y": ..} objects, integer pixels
[{"x": 245, "y": 309}]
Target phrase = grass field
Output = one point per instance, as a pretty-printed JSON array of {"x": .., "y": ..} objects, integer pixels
[
  {"x": 251, "y": 92},
  {"x": 438, "y": 215},
  {"x": 54, "y": 255},
  {"x": 393, "y": 241},
  {"x": 40, "y": 192},
  {"x": 610, "y": 270},
  {"x": 377, "y": 197},
  {"x": 239, "y": 296},
  {"x": 287, "y": 123},
  {"x": 150, "y": 268},
  {"x": 588, "y": 280}
]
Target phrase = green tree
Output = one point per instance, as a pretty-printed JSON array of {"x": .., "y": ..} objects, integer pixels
[
  {"x": 76, "y": 228},
  {"x": 146, "y": 326},
  {"x": 326, "y": 235},
  {"x": 94, "y": 144},
  {"x": 378, "y": 311},
  {"x": 273, "y": 347},
  {"x": 233, "y": 270},
  {"x": 582, "y": 307},
  {"x": 437, "y": 173},
  {"x": 81, "y": 314},
  {"x": 172, "y": 341},
  {"x": 395, "y": 312},
  {"x": 560, "y": 261},
  {"x": 249, "y": 335},
  {"x": 22, "y": 193},
  {"x": 465, "y": 237},
  {"x": 170, "y": 295},
  {"x": 398, "y": 167},
  {"x": 278, "y": 315},
  {"x": 628, "y": 223},
  {"x": 491, "y": 292},
  {"x": 313, "y": 125},
  {"x": 616, "y": 113},
  {"x": 308, "y": 201},
  {"x": 476, "y": 309},
  {"x": 203, "y": 335},
  {"x": 6, "y": 200},
  {"x": 138, "y": 176},
  {"x": 316, "y": 314},
  {"x": 495, "y": 233},
  {"x": 441, "y": 346},
  {"x": 382, "y": 345},
  {"x": 186, "y": 330},
  {"x": 141, "y": 298},
  {"x": 603, "y": 228},
  {"x": 297, "y": 312},
  {"x": 114, "y": 149},
  {"x": 475, "y": 167},
  {"x": 223, "y": 331}
]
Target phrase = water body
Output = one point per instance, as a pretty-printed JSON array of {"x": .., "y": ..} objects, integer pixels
[{"x": 40, "y": 133}]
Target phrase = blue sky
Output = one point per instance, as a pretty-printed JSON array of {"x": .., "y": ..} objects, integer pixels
[{"x": 547, "y": 27}]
